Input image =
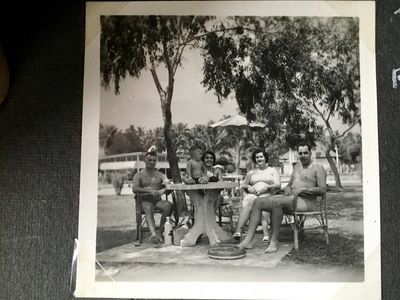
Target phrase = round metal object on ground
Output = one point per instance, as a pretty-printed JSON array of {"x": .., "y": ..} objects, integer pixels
[{"x": 226, "y": 252}]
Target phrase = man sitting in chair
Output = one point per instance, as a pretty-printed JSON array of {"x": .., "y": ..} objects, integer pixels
[
  {"x": 308, "y": 180},
  {"x": 151, "y": 184}
]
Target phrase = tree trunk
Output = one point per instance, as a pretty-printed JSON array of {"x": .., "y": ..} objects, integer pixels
[
  {"x": 334, "y": 169},
  {"x": 173, "y": 159},
  {"x": 171, "y": 156}
]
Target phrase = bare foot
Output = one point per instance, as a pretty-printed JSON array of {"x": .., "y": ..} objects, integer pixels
[
  {"x": 245, "y": 245},
  {"x": 273, "y": 247}
]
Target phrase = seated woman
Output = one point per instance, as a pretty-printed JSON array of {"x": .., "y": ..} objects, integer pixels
[
  {"x": 212, "y": 174},
  {"x": 258, "y": 183}
]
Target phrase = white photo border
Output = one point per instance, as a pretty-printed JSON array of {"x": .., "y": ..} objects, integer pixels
[{"x": 86, "y": 286}]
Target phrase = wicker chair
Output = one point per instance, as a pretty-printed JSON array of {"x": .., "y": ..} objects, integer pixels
[
  {"x": 225, "y": 213},
  {"x": 141, "y": 224},
  {"x": 298, "y": 219}
]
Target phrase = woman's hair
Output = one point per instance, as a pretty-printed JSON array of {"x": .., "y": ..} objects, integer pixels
[
  {"x": 259, "y": 150},
  {"x": 211, "y": 153}
]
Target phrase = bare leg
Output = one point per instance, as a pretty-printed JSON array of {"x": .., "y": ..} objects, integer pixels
[
  {"x": 148, "y": 209},
  {"x": 277, "y": 215},
  {"x": 264, "y": 223},
  {"x": 244, "y": 215},
  {"x": 218, "y": 202},
  {"x": 259, "y": 205},
  {"x": 166, "y": 208}
]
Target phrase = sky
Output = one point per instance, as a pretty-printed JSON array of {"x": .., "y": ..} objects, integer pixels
[{"x": 139, "y": 104}]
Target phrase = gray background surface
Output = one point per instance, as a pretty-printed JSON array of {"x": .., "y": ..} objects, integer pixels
[{"x": 40, "y": 132}]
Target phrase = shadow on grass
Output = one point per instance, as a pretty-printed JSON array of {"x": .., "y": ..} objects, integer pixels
[
  {"x": 342, "y": 251},
  {"x": 107, "y": 239}
]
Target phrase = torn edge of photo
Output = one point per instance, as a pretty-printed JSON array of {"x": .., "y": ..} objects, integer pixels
[{"x": 158, "y": 78}]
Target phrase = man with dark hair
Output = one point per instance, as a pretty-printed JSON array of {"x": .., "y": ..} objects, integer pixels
[
  {"x": 308, "y": 180},
  {"x": 151, "y": 184}
]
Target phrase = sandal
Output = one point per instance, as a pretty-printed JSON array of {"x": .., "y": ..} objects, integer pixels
[
  {"x": 265, "y": 239},
  {"x": 237, "y": 236}
]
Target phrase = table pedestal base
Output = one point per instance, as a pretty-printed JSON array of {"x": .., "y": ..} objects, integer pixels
[{"x": 205, "y": 221}]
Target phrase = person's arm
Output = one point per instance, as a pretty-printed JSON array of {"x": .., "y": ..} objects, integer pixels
[
  {"x": 273, "y": 184},
  {"x": 137, "y": 188},
  {"x": 320, "y": 189},
  {"x": 165, "y": 182},
  {"x": 189, "y": 169},
  {"x": 246, "y": 184},
  {"x": 203, "y": 178},
  {"x": 203, "y": 170},
  {"x": 276, "y": 180},
  {"x": 136, "y": 185},
  {"x": 165, "y": 179},
  {"x": 218, "y": 173},
  {"x": 189, "y": 179},
  {"x": 288, "y": 188}
]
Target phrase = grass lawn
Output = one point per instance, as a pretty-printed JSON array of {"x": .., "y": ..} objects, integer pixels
[
  {"x": 345, "y": 209},
  {"x": 116, "y": 227}
]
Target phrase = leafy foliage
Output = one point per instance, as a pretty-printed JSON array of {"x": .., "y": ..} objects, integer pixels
[
  {"x": 350, "y": 148},
  {"x": 283, "y": 71},
  {"x": 131, "y": 44},
  {"x": 289, "y": 72}
]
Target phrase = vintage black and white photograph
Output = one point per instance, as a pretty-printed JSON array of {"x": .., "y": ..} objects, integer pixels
[{"x": 230, "y": 151}]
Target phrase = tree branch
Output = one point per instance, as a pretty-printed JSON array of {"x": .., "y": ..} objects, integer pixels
[
  {"x": 177, "y": 59},
  {"x": 165, "y": 54},
  {"x": 331, "y": 110},
  {"x": 348, "y": 129},
  {"x": 197, "y": 37},
  {"x": 156, "y": 81},
  {"x": 319, "y": 112},
  {"x": 170, "y": 87}
]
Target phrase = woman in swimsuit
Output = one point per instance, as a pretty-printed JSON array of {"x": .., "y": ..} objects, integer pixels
[{"x": 259, "y": 182}]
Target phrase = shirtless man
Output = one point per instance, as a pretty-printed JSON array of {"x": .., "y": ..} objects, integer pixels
[
  {"x": 150, "y": 183},
  {"x": 308, "y": 180}
]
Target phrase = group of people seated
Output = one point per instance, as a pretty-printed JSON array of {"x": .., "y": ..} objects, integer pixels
[{"x": 261, "y": 202}]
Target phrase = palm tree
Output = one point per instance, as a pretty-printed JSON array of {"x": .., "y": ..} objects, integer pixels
[
  {"x": 134, "y": 136},
  {"x": 106, "y": 135},
  {"x": 154, "y": 137},
  {"x": 236, "y": 143}
]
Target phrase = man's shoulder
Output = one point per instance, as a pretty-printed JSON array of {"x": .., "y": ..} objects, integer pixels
[
  {"x": 143, "y": 174},
  {"x": 318, "y": 166},
  {"x": 297, "y": 166},
  {"x": 137, "y": 175}
]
